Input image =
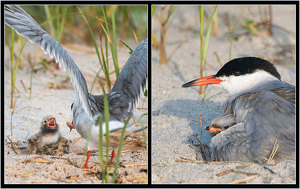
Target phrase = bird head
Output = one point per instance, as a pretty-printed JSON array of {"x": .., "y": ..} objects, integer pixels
[
  {"x": 49, "y": 124},
  {"x": 239, "y": 75}
]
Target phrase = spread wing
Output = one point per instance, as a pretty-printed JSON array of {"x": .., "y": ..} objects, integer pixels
[
  {"x": 26, "y": 26},
  {"x": 128, "y": 86},
  {"x": 132, "y": 79}
]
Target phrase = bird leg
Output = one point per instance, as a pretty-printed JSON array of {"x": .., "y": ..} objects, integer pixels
[
  {"x": 87, "y": 160},
  {"x": 113, "y": 153},
  {"x": 70, "y": 125}
]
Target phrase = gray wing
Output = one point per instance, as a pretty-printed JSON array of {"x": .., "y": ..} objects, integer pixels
[
  {"x": 133, "y": 77},
  {"x": 273, "y": 118},
  {"x": 26, "y": 26},
  {"x": 127, "y": 87},
  {"x": 118, "y": 105},
  {"x": 263, "y": 117}
]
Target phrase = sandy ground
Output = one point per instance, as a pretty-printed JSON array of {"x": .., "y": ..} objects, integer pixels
[
  {"x": 57, "y": 101},
  {"x": 176, "y": 110}
]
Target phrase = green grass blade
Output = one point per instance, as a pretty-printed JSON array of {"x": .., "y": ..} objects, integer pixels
[
  {"x": 96, "y": 47},
  {"x": 49, "y": 17},
  {"x": 106, "y": 118},
  {"x": 201, "y": 33},
  {"x": 130, "y": 49},
  {"x": 112, "y": 48},
  {"x": 106, "y": 53},
  {"x": 94, "y": 81},
  {"x": 12, "y": 55},
  {"x": 171, "y": 10},
  {"x": 115, "y": 52},
  {"x": 16, "y": 67},
  {"x": 144, "y": 134},
  {"x": 113, "y": 27},
  {"x": 56, "y": 8},
  {"x": 208, "y": 33},
  {"x": 153, "y": 9},
  {"x": 101, "y": 143},
  {"x": 61, "y": 26},
  {"x": 106, "y": 67},
  {"x": 30, "y": 84},
  {"x": 12, "y": 66},
  {"x": 116, "y": 166}
]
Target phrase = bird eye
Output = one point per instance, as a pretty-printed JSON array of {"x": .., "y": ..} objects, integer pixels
[
  {"x": 45, "y": 121},
  {"x": 237, "y": 73}
]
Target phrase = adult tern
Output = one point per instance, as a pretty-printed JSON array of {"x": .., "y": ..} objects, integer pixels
[
  {"x": 124, "y": 95},
  {"x": 259, "y": 113}
]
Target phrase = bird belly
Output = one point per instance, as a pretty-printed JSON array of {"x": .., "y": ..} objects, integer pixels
[
  {"x": 48, "y": 139},
  {"x": 82, "y": 123}
]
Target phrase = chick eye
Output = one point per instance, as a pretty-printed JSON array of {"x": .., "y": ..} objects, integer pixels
[
  {"x": 237, "y": 73},
  {"x": 45, "y": 121}
]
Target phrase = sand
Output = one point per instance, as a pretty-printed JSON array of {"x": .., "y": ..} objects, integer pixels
[
  {"x": 176, "y": 110},
  {"x": 53, "y": 94}
]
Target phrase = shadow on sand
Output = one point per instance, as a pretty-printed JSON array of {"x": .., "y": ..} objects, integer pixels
[{"x": 190, "y": 110}]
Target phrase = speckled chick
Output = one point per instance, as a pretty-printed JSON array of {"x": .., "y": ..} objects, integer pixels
[{"x": 49, "y": 134}]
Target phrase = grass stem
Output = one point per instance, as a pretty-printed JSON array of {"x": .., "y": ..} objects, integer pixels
[{"x": 201, "y": 44}]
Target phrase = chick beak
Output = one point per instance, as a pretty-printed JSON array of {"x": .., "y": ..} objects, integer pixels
[
  {"x": 203, "y": 81},
  {"x": 51, "y": 124}
]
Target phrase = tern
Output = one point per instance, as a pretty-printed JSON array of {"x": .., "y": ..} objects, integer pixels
[
  {"x": 258, "y": 116},
  {"x": 49, "y": 133},
  {"x": 48, "y": 140},
  {"x": 123, "y": 97}
]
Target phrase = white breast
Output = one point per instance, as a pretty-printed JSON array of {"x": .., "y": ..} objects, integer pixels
[{"x": 48, "y": 139}]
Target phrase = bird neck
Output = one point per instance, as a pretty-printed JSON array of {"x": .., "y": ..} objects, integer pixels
[{"x": 240, "y": 84}]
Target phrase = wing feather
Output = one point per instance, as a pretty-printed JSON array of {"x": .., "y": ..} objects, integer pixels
[
  {"x": 133, "y": 77},
  {"x": 26, "y": 26},
  {"x": 269, "y": 118}
]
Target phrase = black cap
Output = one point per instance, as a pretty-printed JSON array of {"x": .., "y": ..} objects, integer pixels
[{"x": 247, "y": 65}]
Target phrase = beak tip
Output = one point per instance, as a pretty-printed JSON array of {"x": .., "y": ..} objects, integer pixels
[
  {"x": 188, "y": 84},
  {"x": 203, "y": 81}
]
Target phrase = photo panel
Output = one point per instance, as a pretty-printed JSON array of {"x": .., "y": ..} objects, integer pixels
[
  {"x": 75, "y": 81},
  {"x": 239, "y": 126}
]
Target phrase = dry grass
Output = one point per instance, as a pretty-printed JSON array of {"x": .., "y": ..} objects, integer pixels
[
  {"x": 244, "y": 179},
  {"x": 201, "y": 126},
  {"x": 274, "y": 150},
  {"x": 186, "y": 160}
]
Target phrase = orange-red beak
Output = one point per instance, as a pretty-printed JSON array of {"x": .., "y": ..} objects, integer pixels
[
  {"x": 51, "y": 124},
  {"x": 203, "y": 81}
]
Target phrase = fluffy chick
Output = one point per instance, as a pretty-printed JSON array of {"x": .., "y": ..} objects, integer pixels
[{"x": 48, "y": 140}]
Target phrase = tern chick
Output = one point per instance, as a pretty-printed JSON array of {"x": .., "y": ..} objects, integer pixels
[{"x": 49, "y": 140}]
